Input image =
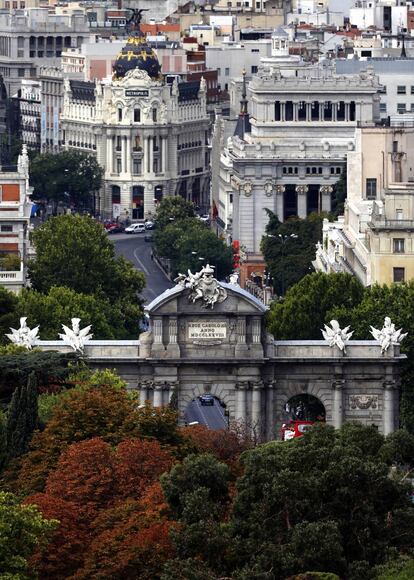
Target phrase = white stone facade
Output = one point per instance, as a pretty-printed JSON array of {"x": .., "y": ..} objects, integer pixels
[
  {"x": 303, "y": 121},
  {"x": 374, "y": 240},
  {"x": 150, "y": 137}
]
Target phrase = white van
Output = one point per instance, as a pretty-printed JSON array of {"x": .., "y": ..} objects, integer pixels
[{"x": 135, "y": 229}]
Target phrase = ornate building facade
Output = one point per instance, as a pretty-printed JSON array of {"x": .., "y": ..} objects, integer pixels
[
  {"x": 374, "y": 240},
  {"x": 302, "y": 122},
  {"x": 151, "y": 137}
]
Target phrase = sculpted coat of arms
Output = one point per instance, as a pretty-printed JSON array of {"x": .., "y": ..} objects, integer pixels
[{"x": 203, "y": 286}]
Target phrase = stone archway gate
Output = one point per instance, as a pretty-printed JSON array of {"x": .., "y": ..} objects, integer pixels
[{"x": 195, "y": 346}]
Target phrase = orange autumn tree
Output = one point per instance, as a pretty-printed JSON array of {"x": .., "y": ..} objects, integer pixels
[
  {"x": 86, "y": 412},
  {"x": 133, "y": 540},
  {"x": 104, "y": 489},
  {"x": 64, "y": 553}
]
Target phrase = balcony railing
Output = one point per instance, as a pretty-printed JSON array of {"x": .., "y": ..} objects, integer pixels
[{"x": 392, "y": 225}]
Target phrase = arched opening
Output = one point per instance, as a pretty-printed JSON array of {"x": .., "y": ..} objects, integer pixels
[
  {"x": 299, "y": 414},
  {"x": 305, "y": 407},
  {"x": 207, "y": 409}
]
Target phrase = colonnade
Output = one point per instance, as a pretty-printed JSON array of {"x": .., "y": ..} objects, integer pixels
[
  {"x": 315, "y": 111},
  {"x": 121, "y": 150}
]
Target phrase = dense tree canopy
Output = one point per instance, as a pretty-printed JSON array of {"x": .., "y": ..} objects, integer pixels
[
  {"x": 22, "y": 529},
  {"x": 75, "y": 252},
  {"x": 310, "y": 303},
  {"x": 173, "y": 209},
  {"x": 289, "y": 249},
  {"x": 69, "y": 176},
  {"x": 187, "y": 242}
]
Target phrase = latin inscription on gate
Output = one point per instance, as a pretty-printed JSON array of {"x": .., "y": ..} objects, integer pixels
[{"x": 207, "y": 332}]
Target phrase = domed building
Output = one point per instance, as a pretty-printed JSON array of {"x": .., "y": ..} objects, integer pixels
[{"x": 150, "y": 136}]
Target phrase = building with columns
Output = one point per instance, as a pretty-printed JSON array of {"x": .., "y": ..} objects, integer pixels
[
  {"x": 151, "y": 137},
  {"x": 374, "y": 240},
  {"x": 225, "y": 350},
  {"x": 15, "y": 210},
  {"x": 302, "y": 125}
]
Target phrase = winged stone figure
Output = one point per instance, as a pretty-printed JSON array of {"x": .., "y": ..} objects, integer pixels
[
  {"x": 388, "y": 335},
  {"x": 335, "y": 336},
  {"x": 24, "y": 336},
  {"x": 75, "y": 336}
]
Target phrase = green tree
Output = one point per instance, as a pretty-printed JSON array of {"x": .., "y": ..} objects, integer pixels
[
  {"x": 66, "y": 176},
  {"x": 197, "y": 492},
  {"x": 8, "y": 313},
  {"x": 310, "y": 303},
  {"x": 21, "y": 418},
  {"x": 289, "y": 248},
  {"x": 61, "y": 304},
  {"x": 75, "y": 251},
  {"x": 22, "y": 529},
  {"x": 323, "y": 502},
  {"x": 173, "y": 209},
  {"x": 51, "y": 368},
  {"x": 189, "y": 244}
]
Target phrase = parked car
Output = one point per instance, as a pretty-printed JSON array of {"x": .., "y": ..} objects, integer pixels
[
  {"x": 206, "y": 399},
  {"x": 204, "y": 218},
  {"x": 149, "y": 225},
  {"x": 135, "y": 229},
  {"x": 114, "y": 228}
]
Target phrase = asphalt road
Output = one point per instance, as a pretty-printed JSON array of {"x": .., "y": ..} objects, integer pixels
[
  {"x": 135, "y": 249},
  {"x": 211, "y": 416}
]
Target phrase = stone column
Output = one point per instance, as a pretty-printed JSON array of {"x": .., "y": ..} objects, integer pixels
[
  {"x": 151, "y": 155},
  {"x": 282, "y": 111},
  {"x": 128, "y": 155},
  {"x": 158, "y": 387},
  {"x": 257, "y": 404},
  {"x": 256, "y": 330},
  {"x": 147, "y": 148},
  {"x": 337, "y": 403},
  {"x": 280, "y": 190},
  {"x": 172, "y": 346},
  {"x": 270, "y": 418},
  {"x": 157, "y": 331},
  {"x": 164, "y": 154},
  {"x": 389, "y": 407},
  {"x": 301, "y": 191},
  {"x": 241, "y": 389},
  {"x": 109, "y": 155},
  {"x": 143, "y": 393}
]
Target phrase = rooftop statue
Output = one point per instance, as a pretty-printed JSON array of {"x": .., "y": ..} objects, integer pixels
[
  {"x": 336, "y": 336},
  {"x": 75, "y": 336},
  {"x": 24, "y": 336},
  {"x": 203, "y": 286},
  {"x": 388, "y": 335}
]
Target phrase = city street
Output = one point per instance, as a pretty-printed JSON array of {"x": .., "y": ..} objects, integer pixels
[
  {"x": 211, "y": 416},
  {"x": 135, "y": 249}
]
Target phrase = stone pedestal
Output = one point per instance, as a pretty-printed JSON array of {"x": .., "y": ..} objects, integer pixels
[{"x": 158, "y": 395}]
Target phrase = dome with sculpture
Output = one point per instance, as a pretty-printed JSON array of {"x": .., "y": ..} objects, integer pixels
[{"x": 136, "y": 54}]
